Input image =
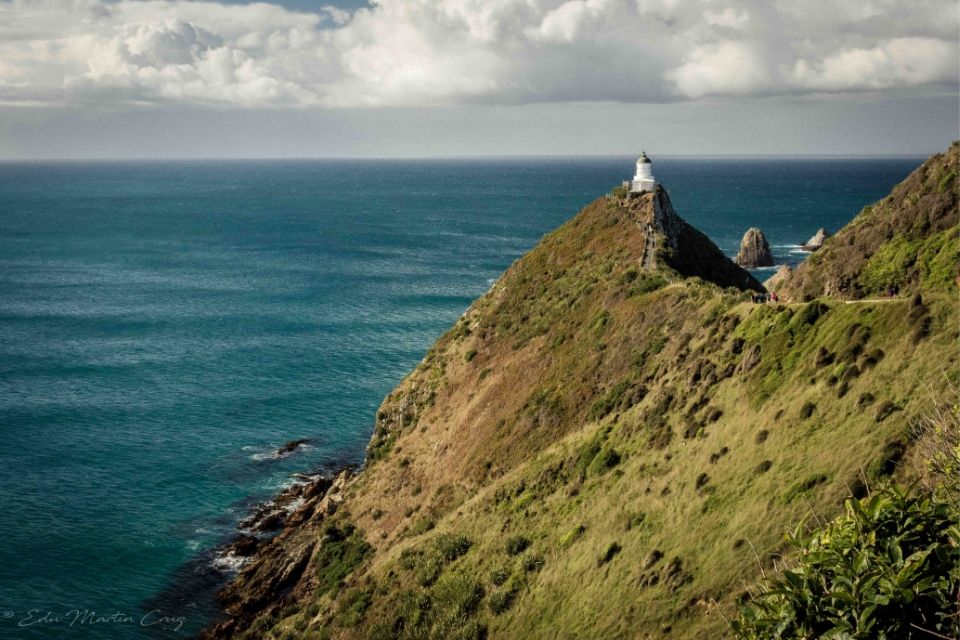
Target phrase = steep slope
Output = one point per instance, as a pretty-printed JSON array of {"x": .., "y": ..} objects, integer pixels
[
  {"x": 906, "y": 240},
  {"x": 609, "y": 443}
]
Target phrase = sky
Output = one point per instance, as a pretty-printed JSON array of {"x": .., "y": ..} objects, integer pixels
[{"x": 428, "y": 78}]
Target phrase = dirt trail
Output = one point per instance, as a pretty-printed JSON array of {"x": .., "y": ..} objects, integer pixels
[{"x": 648, "y": 259}]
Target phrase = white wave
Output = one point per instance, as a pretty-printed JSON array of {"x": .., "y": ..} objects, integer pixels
[{"x": 228, "y": 563}]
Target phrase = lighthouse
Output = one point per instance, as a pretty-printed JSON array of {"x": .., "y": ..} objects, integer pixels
[{"x": 643, "y": 180}]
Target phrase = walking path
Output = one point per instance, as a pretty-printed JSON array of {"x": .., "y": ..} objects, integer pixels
[{"x": 648, "y": 259}]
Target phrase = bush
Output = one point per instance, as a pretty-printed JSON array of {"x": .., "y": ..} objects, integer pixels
[
  {"x": 517, "y": 545},
  {"x": 499, "y": 575},
  {"x": 451, "y": 547},
  {"x": 604, "y": 461},
  {"x": 501, "y": 600},
  {"x": 609, "y": 554},
  {"x": 887, "y": 569},
  {"x": 533, "y": 563},
  {"x": 342, "y": 549}
]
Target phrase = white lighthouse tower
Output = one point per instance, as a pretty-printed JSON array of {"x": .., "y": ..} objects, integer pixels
[{"x": 643, "y": 180}]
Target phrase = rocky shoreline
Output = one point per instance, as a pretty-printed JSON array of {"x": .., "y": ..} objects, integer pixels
[{"x": 272, "y": 549}]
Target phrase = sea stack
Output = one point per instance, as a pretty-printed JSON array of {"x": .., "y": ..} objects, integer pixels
[
  {"x": 754, "y": 250},
  {"x": 816, "y": 241}
]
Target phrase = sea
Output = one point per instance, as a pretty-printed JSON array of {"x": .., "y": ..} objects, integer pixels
[{"x": 166, "y": 326}]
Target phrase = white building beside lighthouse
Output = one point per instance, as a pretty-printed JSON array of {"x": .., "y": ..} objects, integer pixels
[{"x": 643, "y": 180}]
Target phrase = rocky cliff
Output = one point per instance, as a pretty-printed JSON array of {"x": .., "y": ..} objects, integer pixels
[{"x": 611, "y": 441}]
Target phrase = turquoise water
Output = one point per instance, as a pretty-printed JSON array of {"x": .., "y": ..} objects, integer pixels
[{"x": 165, "y": 326}]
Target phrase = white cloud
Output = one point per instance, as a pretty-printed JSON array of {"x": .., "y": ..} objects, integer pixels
[
  {"x": 725, "y": 68},
  {"x": 901, "y": 62},
  {"x": 433, "y": 52}
]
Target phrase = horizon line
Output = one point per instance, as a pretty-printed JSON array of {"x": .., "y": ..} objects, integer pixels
[{"x": 549, "y": 156}]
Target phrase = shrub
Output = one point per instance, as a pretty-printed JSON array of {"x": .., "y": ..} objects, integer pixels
[
  {"x": 501, "y": 600},
  {"x": 428, "y": 569},
  {"x": 421, "y": 526},
  {"x": 763, "y": 467},
  {"x": 470, "y": 355},
  {"x": 701, "y": 481},
  {"x": 517, "y": 545},
  {"x": 533, "y": 562},
  {"x": 342, "y": 549},
  {"x": 499, "y": 575},
  {"x": 609, "y": 554},
  {"x": 886, "y": 569},
  {"x": 451, "y": 547},
  {"x": 604, "y": 461},
  {"x": 572, "y": 535}
]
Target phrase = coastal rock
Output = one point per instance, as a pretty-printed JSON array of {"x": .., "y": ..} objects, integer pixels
[
  {"x": 277, "y": 570},
  {"x": 754, "y": 250},
  {"x": 292, "y": 446},
  {"x": 816, "y": 241},
  {"x": 775, "y": 281},
  {"x": 244, "y": 545}
]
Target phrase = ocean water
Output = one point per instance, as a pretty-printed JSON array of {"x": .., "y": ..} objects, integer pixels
[{"x": 164, "y": 327}]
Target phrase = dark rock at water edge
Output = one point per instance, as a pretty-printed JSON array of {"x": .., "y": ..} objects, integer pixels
[
  {"x": 754, "y": 250},
  {"x": 292, "y": 446}
]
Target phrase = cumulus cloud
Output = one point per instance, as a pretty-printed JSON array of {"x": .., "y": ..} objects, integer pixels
[{"x": 433, "y": 52}]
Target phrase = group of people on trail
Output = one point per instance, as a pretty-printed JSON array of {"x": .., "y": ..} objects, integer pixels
[
  {"x": 893, "y": 290},
  {"x": 766, "y": 296}
]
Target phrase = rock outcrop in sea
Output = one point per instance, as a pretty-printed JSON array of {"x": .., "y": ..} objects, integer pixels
[
  {"x": 816, "y": 241},
  {"x": 754, "y": 250}
]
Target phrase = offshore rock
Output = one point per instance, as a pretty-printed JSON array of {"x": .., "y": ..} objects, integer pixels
[
  {"x": 816, "y": 241},
  {"x": 754, "y": 250}
]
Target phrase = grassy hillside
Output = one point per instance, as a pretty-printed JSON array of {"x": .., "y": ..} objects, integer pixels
[
  {"x": 597, "y": 449},
  {"x": 906, "y": 240}
]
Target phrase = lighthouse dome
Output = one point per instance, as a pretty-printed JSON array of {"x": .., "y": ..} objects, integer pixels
[{"x": 643, "y": 158}]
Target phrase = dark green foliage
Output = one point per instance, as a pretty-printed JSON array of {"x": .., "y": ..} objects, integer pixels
[
  {"x": 499, "y": 575},
  {"x": 887, "y": 569},
  {"x": 608, "y": 401},
  {"x": 533, "y": 562},
  {"x": 342, "y": 550},
  {"x": 451, "y": 547},
  {"x": 501, "y": 600},
  {"x": 517, "y": 545},
  {"x": 646, "y": 283},
  {"x": 470, "y": 355},
  {"x": 807, "y": 410},
  {"x": 604, "y": 461},
  {"x": 353, "y": 606}
]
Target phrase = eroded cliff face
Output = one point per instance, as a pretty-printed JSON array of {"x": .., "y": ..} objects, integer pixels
[{"x": 604, "y": 445}]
